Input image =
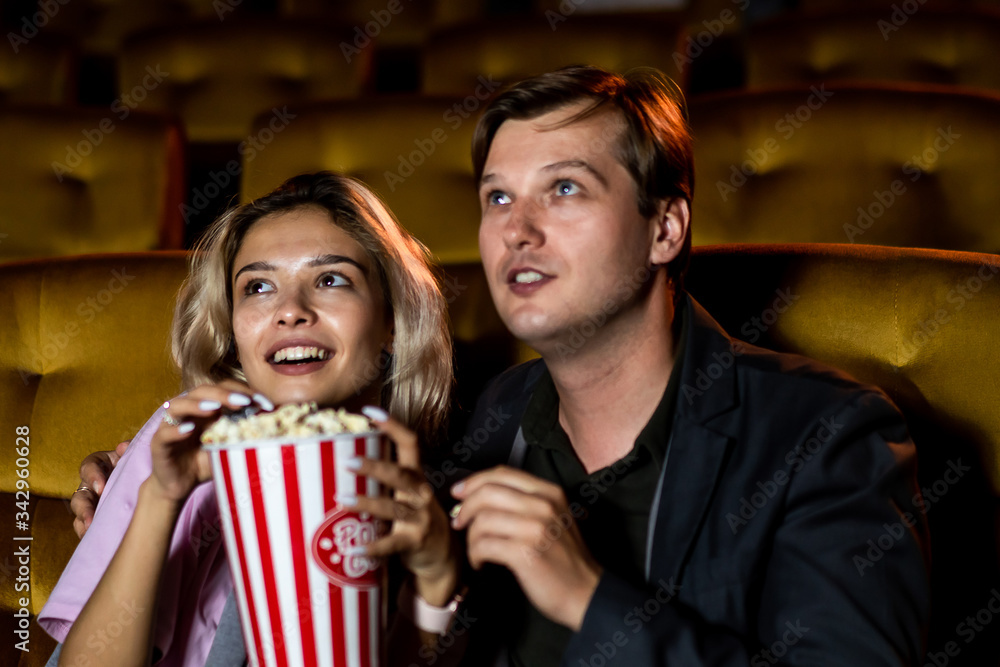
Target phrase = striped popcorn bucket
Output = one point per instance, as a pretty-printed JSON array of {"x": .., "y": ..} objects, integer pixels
[{"x": 306, "y": 595}]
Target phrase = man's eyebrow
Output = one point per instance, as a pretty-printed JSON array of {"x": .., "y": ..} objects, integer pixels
[
  {"x": 577, "y": 164},
  {"x": 322, "y": 260}
]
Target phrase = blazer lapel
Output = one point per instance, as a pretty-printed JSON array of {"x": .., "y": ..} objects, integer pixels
[{"x": 698, "y": 445}]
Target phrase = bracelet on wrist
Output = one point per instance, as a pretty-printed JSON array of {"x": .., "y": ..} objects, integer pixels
[{"x": 425, "y": 616}]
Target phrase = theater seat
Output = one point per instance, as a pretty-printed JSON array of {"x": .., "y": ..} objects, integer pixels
[
  {"x": 922, "y": 325},
  {"x": 413, "y": 151},
  {"x": 220, "y": 75},
  {"x": 37, "y": 70},
  {"x": 904, "y": 166},
  {"x": 84, "y": 361},
  {"x": 503, "y": 50},
  {"x": 75, "y": 181},
  {"x": 944, "y": 46}
]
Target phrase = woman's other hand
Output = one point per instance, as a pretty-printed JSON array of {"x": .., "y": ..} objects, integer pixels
[{"x": 420, "y": 532}]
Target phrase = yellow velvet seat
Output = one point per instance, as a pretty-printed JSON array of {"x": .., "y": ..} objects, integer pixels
[
  {"x": 39, "y": 70},
  {"x": 218, "y": 76},
  {"x": 905, "y": 166},
  {"x": 89, "y": 180},
  {"x": 413, "y": 151},
  {"x": 957, "y": 47},
  {"x": 503, "y": 50},
  {"x": 376, "y": 23}
]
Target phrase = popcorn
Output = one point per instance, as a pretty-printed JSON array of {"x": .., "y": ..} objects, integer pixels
[{"x": 290, "y": 420}]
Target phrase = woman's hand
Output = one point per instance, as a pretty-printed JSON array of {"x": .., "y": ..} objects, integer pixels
[
  {"x": 420, "y": 531},
  {"x": 179, "y": 463}
]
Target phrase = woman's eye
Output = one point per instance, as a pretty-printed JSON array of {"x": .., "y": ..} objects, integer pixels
[
  {"x": 333, "y": 280},
  {"x": 498, "y": 198},
  {"x": 567, "y": 188},
  {"x": 258, "y": 287}
]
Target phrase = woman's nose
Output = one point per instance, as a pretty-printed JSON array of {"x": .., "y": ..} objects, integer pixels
[{"x": 295, "y": 309}]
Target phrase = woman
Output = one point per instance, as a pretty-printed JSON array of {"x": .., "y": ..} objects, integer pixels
[{"x": 319, "y": 271}]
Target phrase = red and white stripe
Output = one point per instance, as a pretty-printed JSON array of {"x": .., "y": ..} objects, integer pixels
[{"x": 273, "y": 498}]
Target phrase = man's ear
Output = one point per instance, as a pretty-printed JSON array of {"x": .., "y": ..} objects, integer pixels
[{"x": 668, "y": 227}]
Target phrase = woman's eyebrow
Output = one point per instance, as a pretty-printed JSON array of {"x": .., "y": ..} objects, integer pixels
[
  {"x": 254, "y": 266},
  {"x": 326, "y": 260}
]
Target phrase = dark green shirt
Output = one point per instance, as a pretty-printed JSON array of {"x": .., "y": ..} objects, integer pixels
[{"x": 611, "y": 505}]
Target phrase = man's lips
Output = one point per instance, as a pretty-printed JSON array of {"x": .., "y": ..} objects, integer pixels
[{"x": 526, "y": 279}]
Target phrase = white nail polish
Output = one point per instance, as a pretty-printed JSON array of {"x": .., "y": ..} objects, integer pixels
[
  {"x": 239, "y": 399},
  {"x": 263, "y": 402},
  {"x": 347, "y": 501},
  {"x": 209, "y": 405},
  {"x": 375, "y": 413},
  {"x": 185, "y": 428},
  {"x": 353, "y": 463}
]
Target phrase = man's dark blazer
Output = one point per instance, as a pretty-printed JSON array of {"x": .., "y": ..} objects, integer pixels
[{"x": 784, "y": 528}]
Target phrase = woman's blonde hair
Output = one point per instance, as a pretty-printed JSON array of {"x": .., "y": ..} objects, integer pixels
[{"x": 416, "y": 377}]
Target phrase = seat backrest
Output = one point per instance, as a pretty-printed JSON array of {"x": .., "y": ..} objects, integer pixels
[
  {"x": 459, "y": 59},
  {"x": 821, "y": 164},
  {"x": 75, "y": 181},
  {"x": 952, "y": 46},
  {"x": 218, "y": 76},
  {"x": 413, "y": 151},
  {"x": 922, "y": 325},
  {"x": 84, "y": 357},
  {"x": 37, "y": 70}
]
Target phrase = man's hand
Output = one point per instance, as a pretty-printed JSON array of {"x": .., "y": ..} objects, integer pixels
[
  {"x": 94, "y": 473},
  {"x": 524, "y": 523}
]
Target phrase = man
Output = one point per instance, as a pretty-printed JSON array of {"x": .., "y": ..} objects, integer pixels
[
  {"x": 605, "y": 520},
  {"x": 616, "y": 505}
]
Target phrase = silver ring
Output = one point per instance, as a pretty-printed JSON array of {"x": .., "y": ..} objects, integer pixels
[
  {"x": 82, "y": 487},
  {"x": 170, "y": 421}
]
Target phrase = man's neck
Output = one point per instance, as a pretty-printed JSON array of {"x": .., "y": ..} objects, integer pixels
[{"x": 609, "y": 388}]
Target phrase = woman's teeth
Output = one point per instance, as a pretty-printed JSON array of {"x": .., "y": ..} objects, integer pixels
[
  {"x": 528, "y": 277},
  {"x": 299, "y": 354}
]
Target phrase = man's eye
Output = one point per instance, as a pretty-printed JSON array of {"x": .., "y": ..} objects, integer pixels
[
  {"x": 333, "y": 280},
  {"x": 498, "y": 198},
  {"x": 258, "y": 287},
  {"x": 567, "y": 188}
]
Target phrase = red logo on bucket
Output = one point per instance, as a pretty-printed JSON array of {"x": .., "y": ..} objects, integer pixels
[{"x": 334, "y": 548}]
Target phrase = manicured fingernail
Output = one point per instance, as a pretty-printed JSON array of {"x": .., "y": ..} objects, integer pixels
[
  {"x": 185, "y": 428},
  {"x": 239, "y": 399},
  {"x": 354, "y": 551},
  {"x": 375, "y": 414},
  {"x": 263, "y": 402},
  {"x": 353, "y": 463},
  {"x": 347, "y": 501},
  {"x": 209, "y": 405},
  {"x": 455, "y": 510},
  {"x": 457, "y": 488}
]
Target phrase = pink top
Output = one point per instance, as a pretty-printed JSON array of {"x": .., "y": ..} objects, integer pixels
[{"x": 196, "y": 578}]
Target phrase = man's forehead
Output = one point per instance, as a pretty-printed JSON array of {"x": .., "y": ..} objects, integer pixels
[{"x": 589, "y": 135}]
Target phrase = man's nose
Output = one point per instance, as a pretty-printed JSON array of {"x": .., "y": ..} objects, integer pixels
[{"x": 523, "y": 226}]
